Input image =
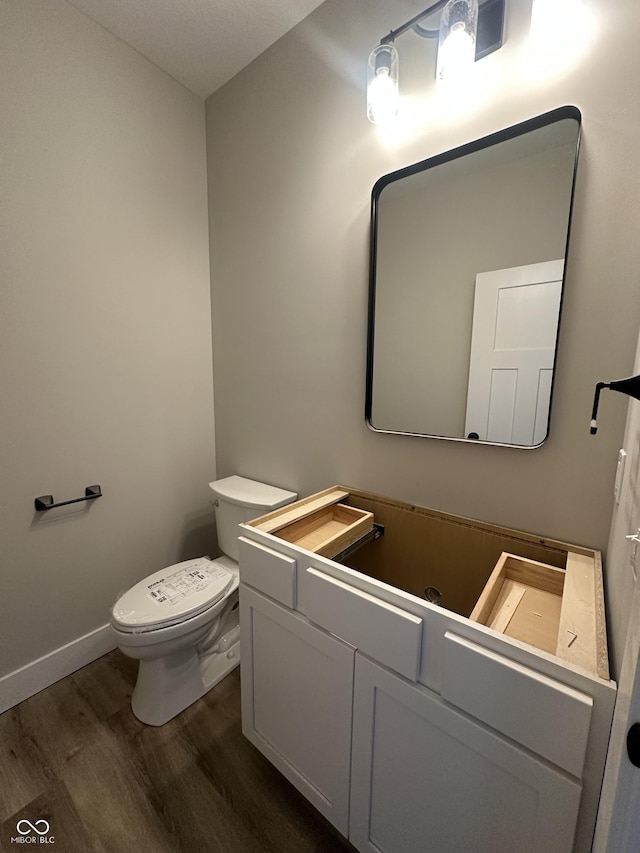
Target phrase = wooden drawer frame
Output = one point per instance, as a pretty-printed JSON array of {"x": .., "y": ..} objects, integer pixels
[
  {"x": 320, "y": 524},
  {"x": 563, "y": 614}
]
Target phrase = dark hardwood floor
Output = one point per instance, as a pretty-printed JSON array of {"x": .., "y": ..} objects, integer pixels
[{"x": 75, "y": 756}]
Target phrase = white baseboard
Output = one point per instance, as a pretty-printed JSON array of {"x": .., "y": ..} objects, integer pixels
[{"x": 41, "y": 673}]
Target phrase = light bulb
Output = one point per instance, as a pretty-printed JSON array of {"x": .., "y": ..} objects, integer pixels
[
  {"x": 560, "y": 29},
  {"x": 382, "y": 84},
  {"x": 457, "y": 40}
]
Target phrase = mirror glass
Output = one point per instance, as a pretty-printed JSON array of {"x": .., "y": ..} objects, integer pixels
[{"x": 467, "y": 271}]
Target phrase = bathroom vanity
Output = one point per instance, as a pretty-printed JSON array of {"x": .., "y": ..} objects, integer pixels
[{"x": 427, "y": 681}]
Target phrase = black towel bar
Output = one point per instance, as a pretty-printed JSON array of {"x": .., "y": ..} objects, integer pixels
[{"x": 46, "y": 501}]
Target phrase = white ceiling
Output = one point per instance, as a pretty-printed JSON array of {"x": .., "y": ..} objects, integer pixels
[{"x": 200, "y": 43}]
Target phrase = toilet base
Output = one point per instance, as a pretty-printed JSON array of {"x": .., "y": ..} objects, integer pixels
[{"x": 166, "y": 686}]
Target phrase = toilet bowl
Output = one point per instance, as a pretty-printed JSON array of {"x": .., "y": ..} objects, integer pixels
[{"x": 182, "y": 622}]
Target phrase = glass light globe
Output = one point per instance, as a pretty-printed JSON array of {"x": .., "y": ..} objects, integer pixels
[
  {"x": 383, "y": 96},
  {"x": 457, "y": 40}
]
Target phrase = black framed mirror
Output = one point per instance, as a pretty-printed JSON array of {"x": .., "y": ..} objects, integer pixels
[{"x": 468, "y": 253}]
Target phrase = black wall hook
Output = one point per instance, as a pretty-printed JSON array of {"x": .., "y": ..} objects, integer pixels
[
  {"x": 630, "y": 387},
  {"x": 46, "y": 501}
]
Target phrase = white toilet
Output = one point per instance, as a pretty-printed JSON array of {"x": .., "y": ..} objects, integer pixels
[{"x": 182, "y": 622}]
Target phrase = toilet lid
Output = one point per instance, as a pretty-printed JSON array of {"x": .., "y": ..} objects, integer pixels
[{"x": 172, "y": 595}]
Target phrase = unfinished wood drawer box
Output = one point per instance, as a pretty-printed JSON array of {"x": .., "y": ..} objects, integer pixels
[
  {"x": 550, "y": 608},
  {"x": 321, "y": 524}
]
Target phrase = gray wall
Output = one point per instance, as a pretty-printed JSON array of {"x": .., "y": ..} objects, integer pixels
[
  {"x": 292, "y": 160},
  {"x": 105, "y": 341}
]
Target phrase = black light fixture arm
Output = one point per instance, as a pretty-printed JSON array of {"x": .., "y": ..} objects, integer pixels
[
  {"x": 630, "y": 387},
  {"x": 409, "y": 25},
  {"x": 490, "y": 26}
]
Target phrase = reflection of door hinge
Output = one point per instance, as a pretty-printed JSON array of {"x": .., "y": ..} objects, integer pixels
[{"x": 617, "y": 486}]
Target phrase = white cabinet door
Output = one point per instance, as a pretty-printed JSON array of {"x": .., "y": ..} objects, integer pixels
[
  {"x": 297, "y": 696},
  {"x": 427, "y": 778}
]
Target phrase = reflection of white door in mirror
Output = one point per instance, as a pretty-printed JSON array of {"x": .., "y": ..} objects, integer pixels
[{"x": 513, "y": 344}]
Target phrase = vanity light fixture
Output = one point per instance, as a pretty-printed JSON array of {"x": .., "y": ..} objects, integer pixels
[
  {"x": 560, "y": 30},
  {"x": 468, "y": 31},
  {"x": 554, "y": 22}
]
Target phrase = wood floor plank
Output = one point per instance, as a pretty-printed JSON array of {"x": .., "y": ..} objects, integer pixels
[
  {"x": 111, "y": 796},
  {"x": 24, "y": 768},
  {"x": 65, "y": 828},
  {"x": 59, "y": 721},
  {"x": 106, "y": 685},
  {"x": 110, "y": 784}
]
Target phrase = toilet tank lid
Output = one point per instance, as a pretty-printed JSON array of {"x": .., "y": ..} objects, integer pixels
[{"x": 249, "y": 493}]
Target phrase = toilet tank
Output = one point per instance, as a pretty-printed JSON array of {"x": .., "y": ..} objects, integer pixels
[{"x": 238, "y": 500}]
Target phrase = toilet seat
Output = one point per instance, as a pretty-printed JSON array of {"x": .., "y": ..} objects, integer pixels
[{"x": 173, "y": 595}]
